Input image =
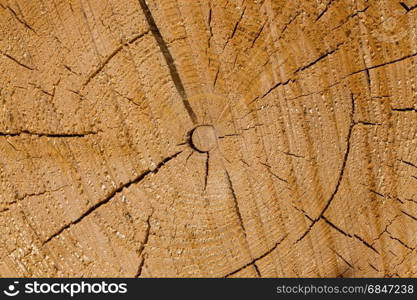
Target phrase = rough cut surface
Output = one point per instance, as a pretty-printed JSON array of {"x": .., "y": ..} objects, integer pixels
[{"x": 208, "y": 138}]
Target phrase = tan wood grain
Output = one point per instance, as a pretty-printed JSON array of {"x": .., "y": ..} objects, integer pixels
[{"x": 209, "y": 138}]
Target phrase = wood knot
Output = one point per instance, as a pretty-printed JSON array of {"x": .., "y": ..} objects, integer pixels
[{"x": 204, "y": 138}]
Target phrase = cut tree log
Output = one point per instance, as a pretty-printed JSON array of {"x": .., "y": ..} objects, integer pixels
[{"x": 210, "y": 138}]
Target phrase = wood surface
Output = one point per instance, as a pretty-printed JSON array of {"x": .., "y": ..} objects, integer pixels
[{"x": 208, "y": 138}]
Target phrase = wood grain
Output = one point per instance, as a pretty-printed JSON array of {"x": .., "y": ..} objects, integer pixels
[{"x": 209, "y": 138}]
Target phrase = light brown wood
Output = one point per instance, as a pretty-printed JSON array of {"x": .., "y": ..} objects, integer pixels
[
  {"x": 210, "y": 138},
  {"x": 204, "y": 138}
]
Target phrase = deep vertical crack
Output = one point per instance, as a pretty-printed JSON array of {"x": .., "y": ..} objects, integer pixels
[{"x": 168, "y": 58}]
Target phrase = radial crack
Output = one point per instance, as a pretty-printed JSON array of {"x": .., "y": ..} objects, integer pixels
[
  {"x": 341, "y": 173},
  {"x": 321, "y": 57},
  {"x": 292, "y": 154},
  {"x": 17, "y": 61},
  {"x": 258, "y": 35},
  {"x": 275, "y": 86},
  {"x": 368, "y": 123},
  {"x": 342, "y": 258},
  {"x": 235, "y": 203},
  {"x": 335, "y": 227},
  {"x": 110, "y": 57},
  {"x": 384, "y": 64},
  {"x": 408, "y": 215},
  {"x": 288, "y": 24},
  {"x": 257, "y": 258},
  {"x": 272, "y": 173},
  {"x": 111, "y": 195},
  {"x": 41, "y": 193},
  {"x": 324, "y": 10},
  {"x": 257, "y": 270},
  {"x": 407, "y": 9},
  {"x": 401, "y": 242},
  {"x": 237, "y": 23},
  {"x": 51, "y": 135},
  {"x": 143, "y": 245},
  {"x": 407, "y": 163},
  {"x": 405, "y": 109},
  {"x": 21, "y": 20},
  {"x": 365, "y": 243},
  {"x": 207, "y": 170}
]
